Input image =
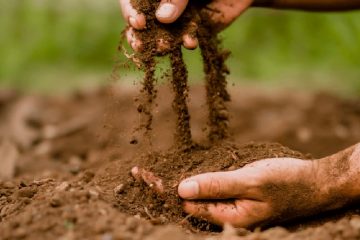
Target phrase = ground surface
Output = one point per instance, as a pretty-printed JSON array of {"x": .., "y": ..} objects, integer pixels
[{"x": 68, "y": 160}]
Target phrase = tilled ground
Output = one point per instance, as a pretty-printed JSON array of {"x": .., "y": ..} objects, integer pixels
[{"x": 64, "y": 159}]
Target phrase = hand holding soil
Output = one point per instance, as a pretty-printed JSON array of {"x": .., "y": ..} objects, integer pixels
[
  {"x": 222, "y": 13},
  {"x": 275, "y": 185},
  {"x": 273, "y": 190}
]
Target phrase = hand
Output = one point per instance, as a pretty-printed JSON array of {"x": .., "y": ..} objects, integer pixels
[
  {"x": 149, "y": 178},
  {"x": 264, "y": 192},
  {"x": 222, "y": 13}
]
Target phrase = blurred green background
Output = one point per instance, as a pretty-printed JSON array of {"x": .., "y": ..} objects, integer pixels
[{"x": 58, "y": 45}]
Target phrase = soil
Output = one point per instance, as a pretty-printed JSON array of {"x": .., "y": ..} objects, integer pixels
[
  {"x": 172, "y": 166},
  {"x": 215, "y": 73},
  {"x": 183, "y": 137},
  {"x": 197, "y": 23},
  {"x": 72, "y": 168}
]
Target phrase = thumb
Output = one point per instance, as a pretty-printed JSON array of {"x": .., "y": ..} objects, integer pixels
[{"x": 216, "y": 185}]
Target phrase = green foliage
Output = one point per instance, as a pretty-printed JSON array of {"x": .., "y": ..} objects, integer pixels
[{"x": 62, "y": 44}]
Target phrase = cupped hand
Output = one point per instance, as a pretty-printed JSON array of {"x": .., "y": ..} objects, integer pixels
[
  {"x": 221, "y": 12},
  {"x": 263, "y": 192}
]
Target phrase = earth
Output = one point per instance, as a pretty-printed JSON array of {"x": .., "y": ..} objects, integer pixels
[{"x": 66, "y": 160}]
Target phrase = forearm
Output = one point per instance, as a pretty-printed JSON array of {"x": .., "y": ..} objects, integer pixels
[{"x": 310, "y": 5}]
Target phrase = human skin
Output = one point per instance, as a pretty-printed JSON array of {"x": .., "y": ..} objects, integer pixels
[
  {"x": 274, "y": 190},
  {"x": 226, "y": 11}
]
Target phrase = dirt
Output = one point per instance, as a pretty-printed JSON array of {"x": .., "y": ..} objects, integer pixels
[
  {"x": 72, "y": 176},
  {"x": 172, "y": 166},
  {"x": 150, "y": 37},
  {"x": 197, "y": 23},
  {"x": 183, "y": 137},
  {"x": 215, "y": 73}
]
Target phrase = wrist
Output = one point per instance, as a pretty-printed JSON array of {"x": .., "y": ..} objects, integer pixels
[{"x": 338, "y": 178}]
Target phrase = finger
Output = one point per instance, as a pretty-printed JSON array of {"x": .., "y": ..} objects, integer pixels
[
  {"x": 135, "y": 19},
  {"x": 216, "y": 185},
  {"x": 190, "y": 42},
  {"x": 169, "y": 11},
  {"x": 133, "y": 41},
  {"x": 149, "y": 178},
  {"x": 225, "y": 12},
  {"x": 239, "y": 213},
  {"x": 135, "y": 172}
]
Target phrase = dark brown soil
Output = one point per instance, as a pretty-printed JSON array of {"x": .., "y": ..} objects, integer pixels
[
  {"x": 214, "y": 68},
  {"x": 72, "y": 174},
  {"x": 146, "y": 100},
  {"x": 215, "y": 73},
  {"x": 149, "y": 37},
  {"x": 179, "y": 79}
]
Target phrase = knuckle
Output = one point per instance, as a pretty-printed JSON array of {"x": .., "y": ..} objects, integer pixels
[{"x": 215, "y": 188}]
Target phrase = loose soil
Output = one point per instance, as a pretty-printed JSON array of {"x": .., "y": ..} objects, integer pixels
[
  {"x": 197, "y": 23},
  {"x": 174, "y": 165},
  {"x": 72, "y": 171}
]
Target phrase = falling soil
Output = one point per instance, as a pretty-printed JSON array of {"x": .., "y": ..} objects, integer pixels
[
  {"x": 180, "y": 89},
  {"x": 146, "y": 100},
  {"x": 216, "y": 93},
  {"x": 196, "y": 23}
]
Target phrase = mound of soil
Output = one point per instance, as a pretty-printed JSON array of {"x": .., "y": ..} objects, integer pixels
[
  {"x": 137, "y": 198},
  {"x": 70, "y": 160}
]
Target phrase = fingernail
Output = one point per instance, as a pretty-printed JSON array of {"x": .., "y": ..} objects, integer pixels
[
  {"x": 188, "y": 189},
  {"x": 166, "y": 10},
  {"x": 190, "y": 42},
  {"x": 133, "y": 22},
  {"x": 135, "y": 172}
]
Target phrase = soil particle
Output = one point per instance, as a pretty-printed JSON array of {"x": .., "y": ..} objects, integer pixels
[
  {"x": 87, "y": 176},
  {"x": 119, "y": 189},
  {"x": 64, "y": 186},
  {"x": 27, "y": 192},
  {"x": 56, "y": 201}
]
